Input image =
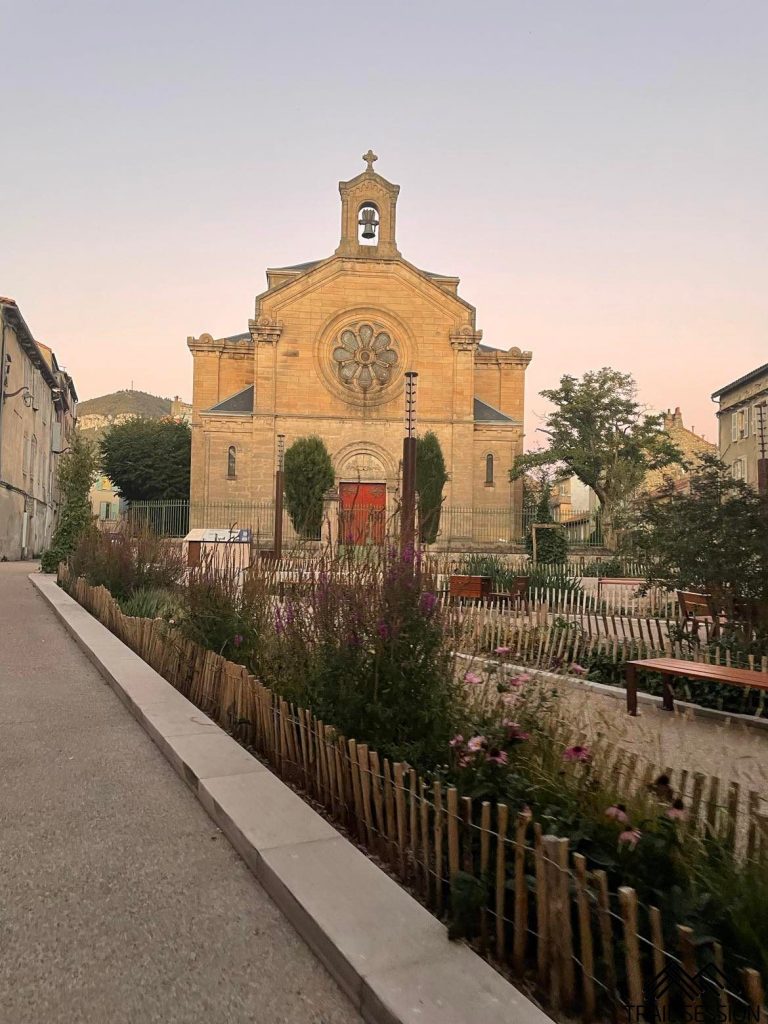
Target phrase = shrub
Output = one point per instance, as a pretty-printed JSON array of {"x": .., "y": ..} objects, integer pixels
[
  {"x": 308, "y": 475},
  {"x": 551, "y": 543},
  {"x": 77, "y": 468},
  {"x": 151, "y": 603},
  {"x": 148, "y": 460},
  {"x": 431, "y": 476},
  {"x": 125, "y": 562}
]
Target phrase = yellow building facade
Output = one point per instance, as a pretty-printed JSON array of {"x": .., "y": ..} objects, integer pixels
[{"x": 326, "y": 353}]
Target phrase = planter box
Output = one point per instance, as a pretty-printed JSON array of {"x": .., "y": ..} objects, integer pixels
[{"x": 472, "y": 587}]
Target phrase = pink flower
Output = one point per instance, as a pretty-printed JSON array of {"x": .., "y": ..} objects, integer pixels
[
  {"x": 677, "y": 811},
  {"x": 514, "y": 732},
  {"x": 579, "y": 670},
  {"x": 501, "y": 651},
  {"x": 497, "y": 756},
  {"x": 384, "y": 631},
  {"x": 509, "y": 699},
  {"x": 464, "y": 760},
  {"x": 473, "y": 677},
  {"x": 477, "y": 743},
  {"x": 631, "y": 837},
  {"x": 618, "y": 812},
  {"x": 457, "y": 741},
  {"x": 237, "y": 640},
  {"x": 577, "y": 753},
  {"x": 519, "y": 680}
]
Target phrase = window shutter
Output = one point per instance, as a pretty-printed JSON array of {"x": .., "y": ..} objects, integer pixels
[{"x": 734, "y": 426}]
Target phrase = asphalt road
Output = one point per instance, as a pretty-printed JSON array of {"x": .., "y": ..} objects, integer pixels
[{"x": 120, "y": 901}]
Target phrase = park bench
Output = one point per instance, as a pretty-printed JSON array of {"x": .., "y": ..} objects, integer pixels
[
  {"x": 669, "y": 668},
  {"x": 516, "y": 595},
  {"x": 698, "y": 610}
]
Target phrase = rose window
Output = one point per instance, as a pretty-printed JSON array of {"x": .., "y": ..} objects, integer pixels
[{"x": 365, "y": 356}]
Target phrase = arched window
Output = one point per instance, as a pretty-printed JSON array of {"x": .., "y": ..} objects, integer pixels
[
  {"x": 231, "y": 462},
  {"x": 489, "y": 469}
]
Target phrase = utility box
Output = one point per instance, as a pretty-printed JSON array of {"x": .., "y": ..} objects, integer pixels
[{"x": 220, "y": 549}]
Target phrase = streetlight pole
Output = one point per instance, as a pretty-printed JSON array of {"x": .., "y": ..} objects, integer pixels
[
  {"x": 279, "y": 475},
  {"x": 408, "y": 502}
]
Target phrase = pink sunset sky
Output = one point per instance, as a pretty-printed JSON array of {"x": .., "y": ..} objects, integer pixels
[{"x": 594, "y": 172}]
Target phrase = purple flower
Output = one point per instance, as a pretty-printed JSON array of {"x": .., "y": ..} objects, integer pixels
[
  {"x": 237, "y": 640},
  {"x": 279, "y": 624},
  {"x": 501, "y": 651},
  {"x": 383, "y": 630},
  {"x": 631, "y": 837},
  {"x": 428, "y": 602},
  {"x": 473, "y": 678},
  {"x": 577, "y": 753},
  {"x": 617, "y": 812},
  {"x": 677, "y": 811},
  {"x": 496, "y": 756},
  {"x": 477, "y": 743},
  {"x": 457, "y": 741}
]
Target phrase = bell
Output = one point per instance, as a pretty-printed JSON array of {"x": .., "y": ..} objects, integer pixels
[{"x": 369, "y": 222}]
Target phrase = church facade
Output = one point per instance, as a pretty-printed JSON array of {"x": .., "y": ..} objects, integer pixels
[{"x": 326, "y": 354}]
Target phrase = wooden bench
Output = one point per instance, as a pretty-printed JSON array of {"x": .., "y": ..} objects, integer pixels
[
  {"x": 698, "y": 610},
  {"x": 671, "y": 667},
  {"x": 517, "y": 594}
]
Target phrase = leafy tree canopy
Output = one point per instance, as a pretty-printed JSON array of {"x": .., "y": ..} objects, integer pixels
[
  {"x": 431, "y": 476},
  {"x": 551, "y": 543},
  {"x": 713, "y": 539},
  {"x": 600, "y": 433},
  {"x": 308, "y": 475},
  {"x": 148, "y": 460},
  {"x": 75, "y": 473}
]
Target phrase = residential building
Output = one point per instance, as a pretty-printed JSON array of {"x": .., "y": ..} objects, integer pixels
[
  {"x": 38, "y": 408},
  {"x": 326, "y": 353},
  {"x": 743, "y": 427}
]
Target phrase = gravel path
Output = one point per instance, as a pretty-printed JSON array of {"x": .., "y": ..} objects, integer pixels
[{"x": 120, "y": 901}]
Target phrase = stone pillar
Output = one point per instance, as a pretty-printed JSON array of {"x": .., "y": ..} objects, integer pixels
[
  {"x": 329, "y": 535},
  {"x": 464, "y": 342},
  {"x": 266, "y": 334}
]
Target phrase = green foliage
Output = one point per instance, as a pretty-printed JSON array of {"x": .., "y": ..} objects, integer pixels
[
  {"x": 128, "y": 563},
  {"x": 608, "y": 568},
  {"x": 713, "y": 540},
  {"x": 551, "y": 543},
  {"x": 431, "y": 476},
  {"x": 151, "y": 603},
  {"x": 308, "y": 475},
  {"x": 599, "y": 432},
  {"x": 77, "y": 468},
  {"x": 148, "y": 460}
]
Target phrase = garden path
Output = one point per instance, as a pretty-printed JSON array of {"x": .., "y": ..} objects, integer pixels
[{"x": 122, "y": 902}]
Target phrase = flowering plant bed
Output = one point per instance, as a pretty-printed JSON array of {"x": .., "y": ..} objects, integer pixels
[{"x": 557, "y": 859}]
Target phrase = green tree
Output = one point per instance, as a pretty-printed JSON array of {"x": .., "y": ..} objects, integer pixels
[
  {"x": 713, "y": 539},
  {"x": 76, "y": 470},
  {"x": 430, "y": 480},
  {"x": 600, "y": 433},
  {"x": 147, "y": 459},
  {"x": 308, "y": 475},
  {"x": 551, "y": 543}
]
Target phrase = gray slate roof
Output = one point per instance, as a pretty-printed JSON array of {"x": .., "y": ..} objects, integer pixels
[
  {"x": 236, "y": 404},
  {"x": 485, "y": 413},
  {"x": 238, "y": 337},
  {"x": 752, "y": 375}
]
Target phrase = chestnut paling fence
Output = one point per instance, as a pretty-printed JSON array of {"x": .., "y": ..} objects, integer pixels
[{"x": 541, "y": 914}]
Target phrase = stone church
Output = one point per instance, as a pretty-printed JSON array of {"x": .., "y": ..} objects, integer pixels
[{"x": 326, "y": 353}]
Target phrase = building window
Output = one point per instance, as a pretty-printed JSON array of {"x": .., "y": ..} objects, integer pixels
[
  {"x": 488, "y": 470},
  {"x": 231, "y": 462},
  {"x": 738, "y": 470},
  {"x": 104, "y": 509}
]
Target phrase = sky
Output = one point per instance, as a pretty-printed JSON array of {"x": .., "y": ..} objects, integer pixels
[{"x": 594, "y": 171}]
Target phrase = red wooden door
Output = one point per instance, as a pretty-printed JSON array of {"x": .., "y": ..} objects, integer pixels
[{"x": 362, "y": 511}]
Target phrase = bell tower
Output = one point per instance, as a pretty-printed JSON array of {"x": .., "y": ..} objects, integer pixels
[{"x": 368, "y": 207}]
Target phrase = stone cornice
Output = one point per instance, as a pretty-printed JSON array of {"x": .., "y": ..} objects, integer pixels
[
  {"x": 465, "y": 338},
  {"x": 265, "y": 330},
  {"x": 512, "y": 357},
  {"x": 207, "y": 343}
]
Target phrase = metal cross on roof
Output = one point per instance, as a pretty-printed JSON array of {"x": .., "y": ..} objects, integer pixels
[{"x": 369, "y": 158}]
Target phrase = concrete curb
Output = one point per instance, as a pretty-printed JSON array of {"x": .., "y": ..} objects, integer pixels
[
  {"x": 387, "y": 952},
  {"x": 619, "y": 693}
]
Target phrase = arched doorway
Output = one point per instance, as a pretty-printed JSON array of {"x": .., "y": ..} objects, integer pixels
[{"x": 362, "y": 497}]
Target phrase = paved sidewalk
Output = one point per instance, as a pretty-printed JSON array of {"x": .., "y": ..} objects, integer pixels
[{"x": 119, "y": 899}]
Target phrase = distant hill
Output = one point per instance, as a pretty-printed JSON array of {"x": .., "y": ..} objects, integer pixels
[{"x": 96, "y": 414}]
